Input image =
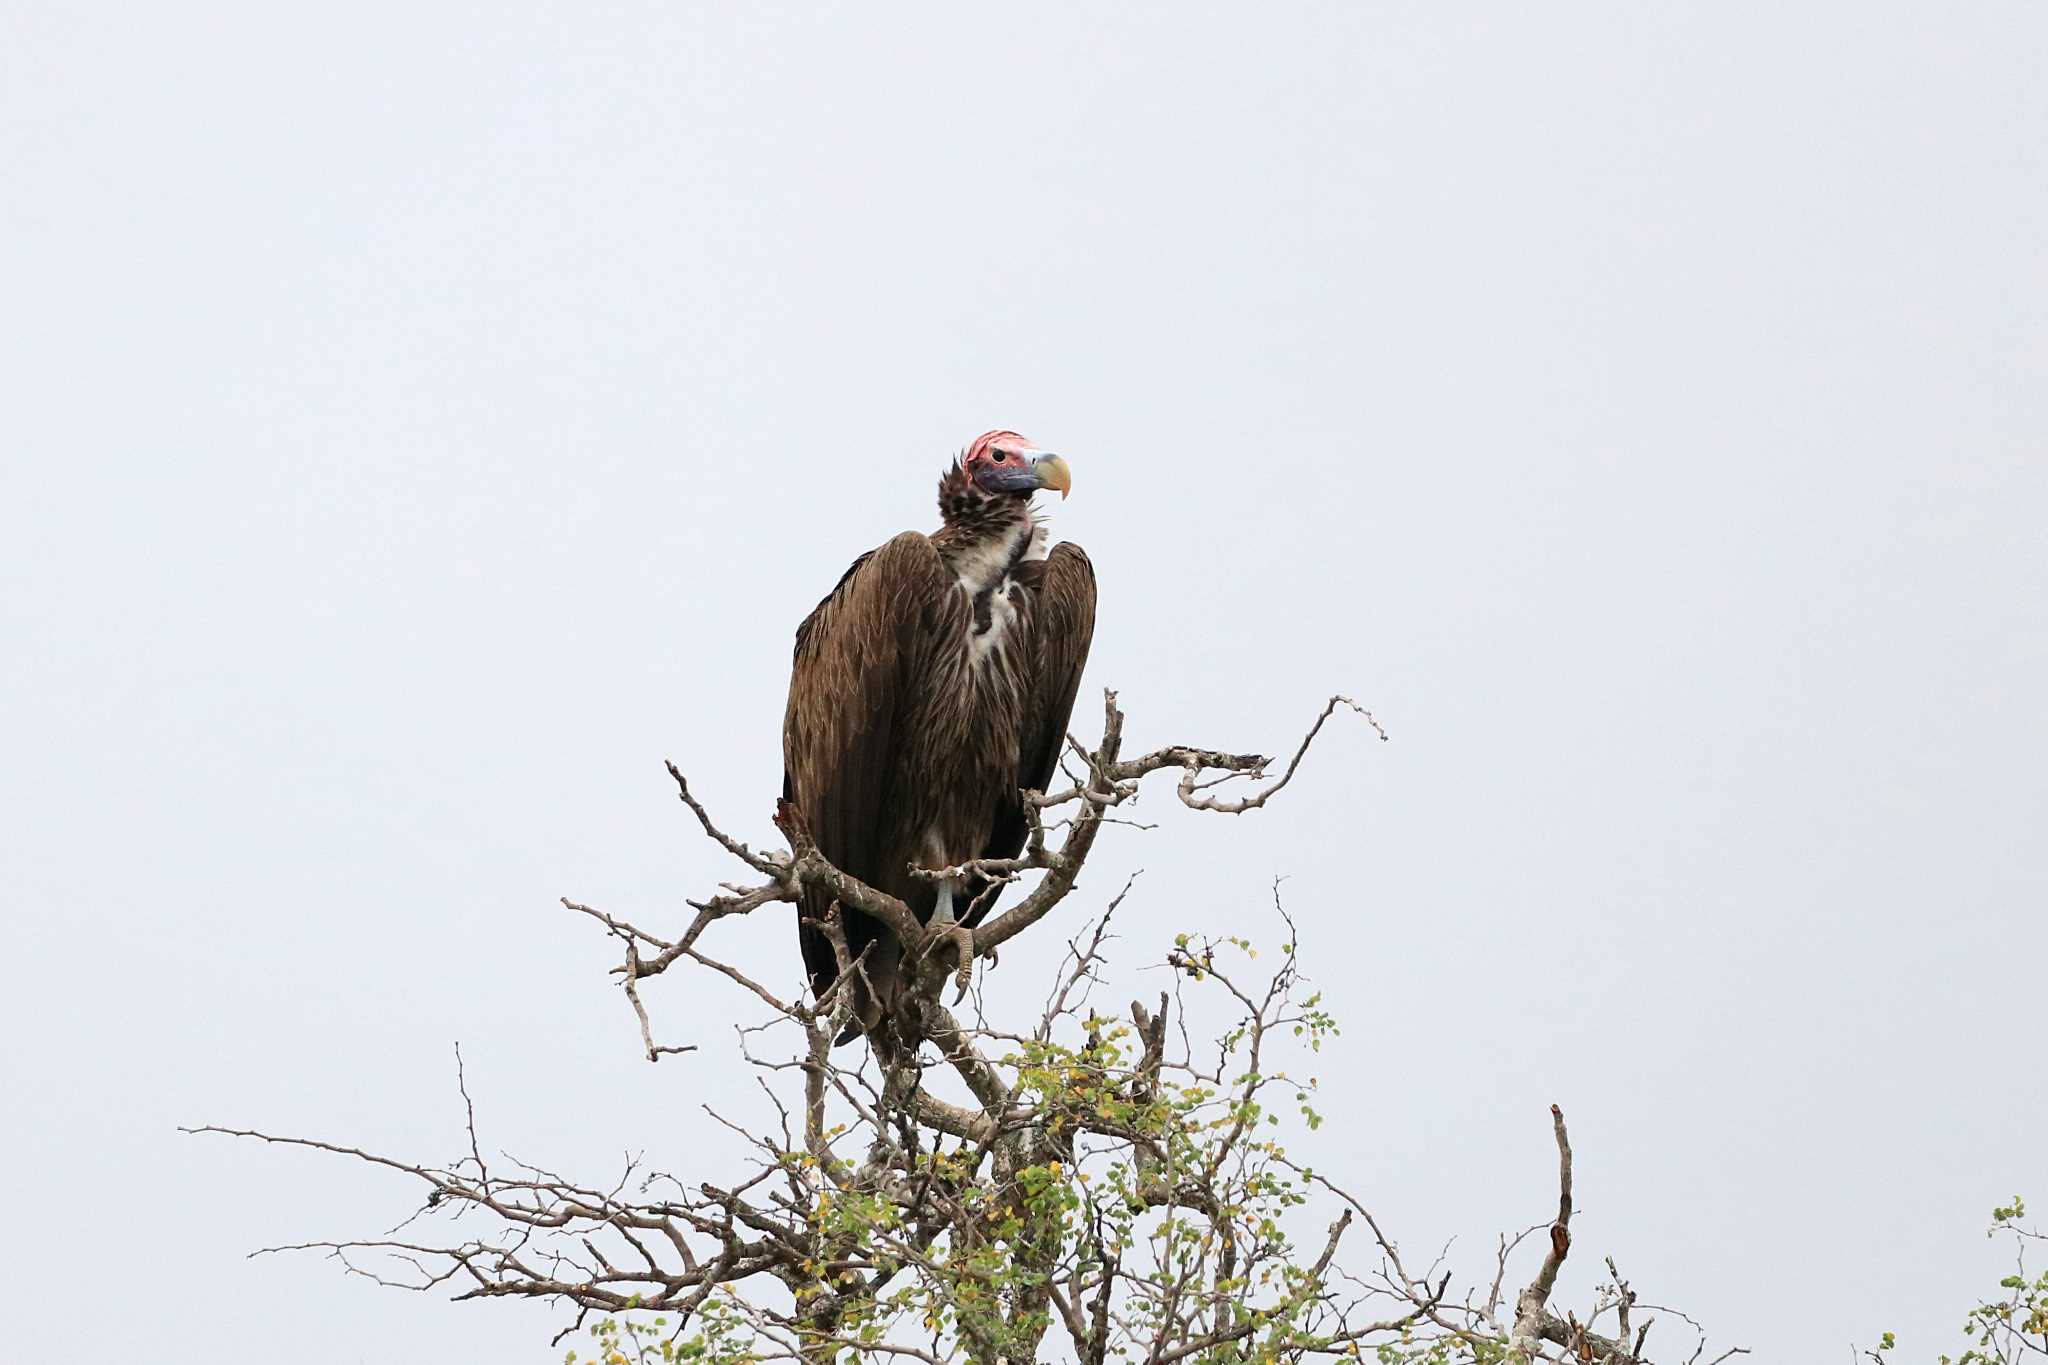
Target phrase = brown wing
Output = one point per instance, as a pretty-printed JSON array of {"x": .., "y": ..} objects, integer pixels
[
  {"x": 859, "y": 659},
  {"x": 1062, "y": 625}
]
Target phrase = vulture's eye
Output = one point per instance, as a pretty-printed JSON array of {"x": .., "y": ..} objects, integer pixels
[{"x": 1001, "y": 455}]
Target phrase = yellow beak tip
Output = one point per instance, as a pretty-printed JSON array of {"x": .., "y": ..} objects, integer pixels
[{"x": 1053, "y": 473}]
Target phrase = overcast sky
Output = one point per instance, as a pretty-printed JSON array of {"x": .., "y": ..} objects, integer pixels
[{"x": 419, "y": 420}]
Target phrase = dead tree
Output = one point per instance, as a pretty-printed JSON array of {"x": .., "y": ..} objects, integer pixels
[{"x": 1096, "y": 1186}]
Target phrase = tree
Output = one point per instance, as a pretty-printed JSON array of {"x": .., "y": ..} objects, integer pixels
[{"x": 1095, "y": 1186}]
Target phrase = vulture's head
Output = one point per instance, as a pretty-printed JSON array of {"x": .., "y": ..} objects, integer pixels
[{"x": 1004, "y": 464}]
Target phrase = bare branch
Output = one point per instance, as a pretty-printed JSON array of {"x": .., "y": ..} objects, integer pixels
[
  {"x": 765, "y": 864},
  {"x": 1531, "y": 1317}
]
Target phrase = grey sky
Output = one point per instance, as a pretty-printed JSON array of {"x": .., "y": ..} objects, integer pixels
[{"x": 417, "y": 421}]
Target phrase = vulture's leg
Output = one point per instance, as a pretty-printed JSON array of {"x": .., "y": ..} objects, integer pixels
[{"x": 961, "y": 937}]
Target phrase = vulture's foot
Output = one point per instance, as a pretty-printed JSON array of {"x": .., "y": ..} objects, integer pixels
[{"x": 963, "y": 941}]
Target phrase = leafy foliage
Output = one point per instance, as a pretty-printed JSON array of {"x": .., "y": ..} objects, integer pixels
[
  {"x": 1132, "y": 1198},
  {"x": 2010, "y": 1326}
]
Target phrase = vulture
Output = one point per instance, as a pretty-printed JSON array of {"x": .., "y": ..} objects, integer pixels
[{"x": 929, "y": 688}]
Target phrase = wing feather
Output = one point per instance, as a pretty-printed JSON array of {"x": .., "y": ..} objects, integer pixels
[{"x": 860, "y": 659}]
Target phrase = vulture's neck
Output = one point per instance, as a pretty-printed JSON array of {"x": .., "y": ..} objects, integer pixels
[{"x": 985, "y": 538}]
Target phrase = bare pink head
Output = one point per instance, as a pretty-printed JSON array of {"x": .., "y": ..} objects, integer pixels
[{"x": 1004, "y": 462}]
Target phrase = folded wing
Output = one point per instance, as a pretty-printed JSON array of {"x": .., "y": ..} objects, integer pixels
[{"x": 861, "y": 659}]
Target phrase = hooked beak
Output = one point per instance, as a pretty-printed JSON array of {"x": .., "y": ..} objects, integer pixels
[{"x": 1052, "y": 472}]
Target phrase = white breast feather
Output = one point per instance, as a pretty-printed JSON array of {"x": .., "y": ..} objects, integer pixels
[
  {"x": 980, "y": 566},
  {"x": 1001, "y": 616},
  {"x": 988, "y": 565}
]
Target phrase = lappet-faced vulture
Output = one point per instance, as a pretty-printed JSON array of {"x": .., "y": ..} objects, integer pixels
[{"x": 930, "y": 688}]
